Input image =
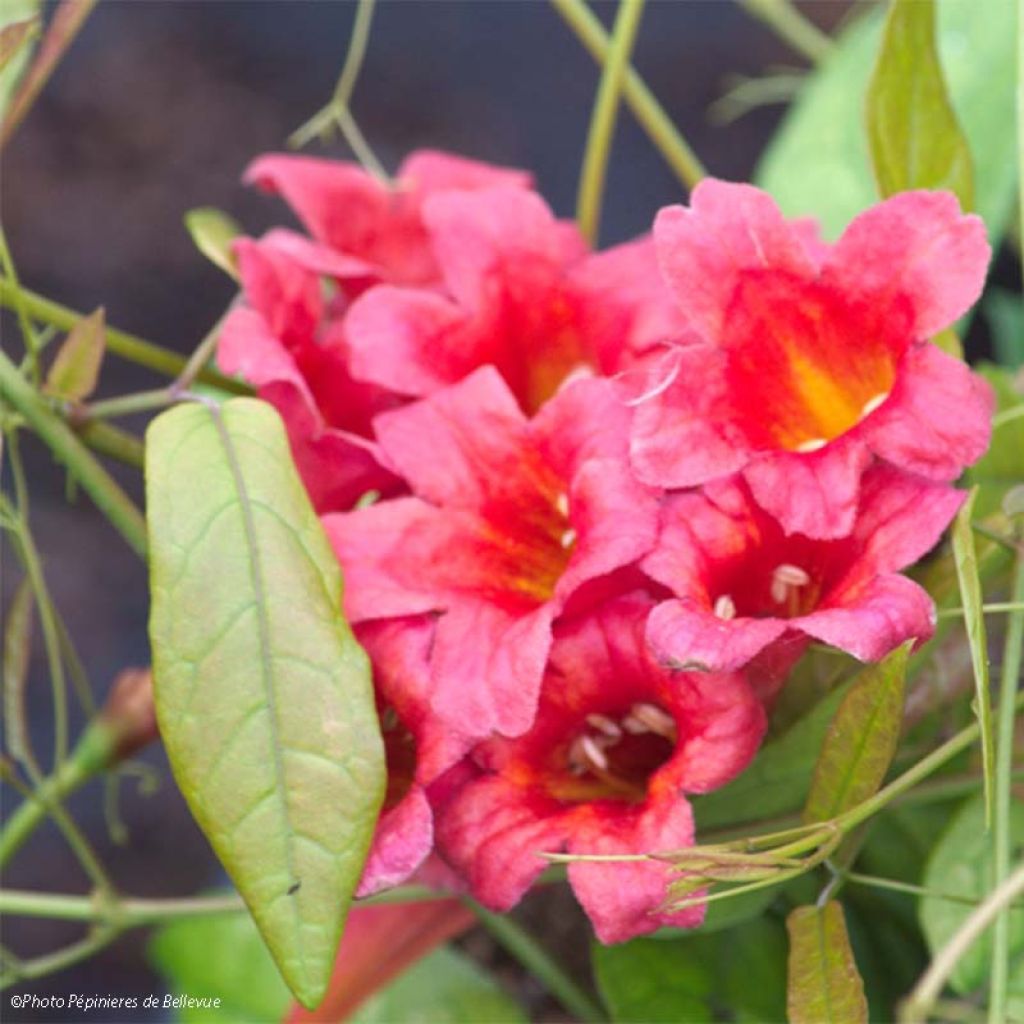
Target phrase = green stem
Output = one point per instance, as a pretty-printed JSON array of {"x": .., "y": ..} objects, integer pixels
[
  {"x": 27, "y": 970},
  {"x": 128, "y": 405},
  {"x": 602, "y": 120},
  {"x": 988, "y": 609},
  {"x": 892, "y": 885},
  {"x": 28, "y": 332},
  {"x": 1002, "y": 840},
  {"x": 114, "y": 443},
  {"x": 101, "y": 487},
  {"x": 538, "y": 962},
  {"x": 919, "y": 1003},
  {"x": 652, "y": 117},
  {"x": 789, "y": 24},
  {"x": 120, "y": 343}
]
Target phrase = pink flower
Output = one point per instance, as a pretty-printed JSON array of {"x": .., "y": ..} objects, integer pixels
[
  {"x": 364, "y": 230},
  {"x": 284, "y": 343},
  {"x": 509, "y": 517},
  {"x": 520, "y": 293},
  {"x": 742, "y": 585},
  {"x": 419, "y": 748},
  {"x": 804, "y": 359},
  {"x": 616, "y": 743}
]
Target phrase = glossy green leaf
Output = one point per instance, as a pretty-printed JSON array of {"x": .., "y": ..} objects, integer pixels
[
  {"x": 818, "y": 162},
  {"x": 966, "y": 559},
  {"x": 1002, "y": 466},
  {"x": 824, "y": 986},
  {"x": 445, "y": 987},
  {"x": 221, "y": 957},
  {"x": 17, "y": 651},
  {"x": 777, "y": 781},
  {"x": 76, "y": 369},
  {"x": 263, "y": 696},
  {"x": 861, "y": 739},
  {"x": 213, "y": 231},
  {"x": 914, "y": 138},
  {"x": 961, "y": 863}
]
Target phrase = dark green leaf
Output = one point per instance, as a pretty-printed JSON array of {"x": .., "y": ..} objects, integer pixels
[
  {"x": 76, "y": 369},
  {"x": 777, "y": 781},
  {"x": 1004, "y": 311},
  {"x": 1002, "y": 466},
  {"x": 861, "y": 740},
  {"x": 263, "y": 696},
  {"x": 17, "y": 650},
  {"x": 222, "y": 958},
  {"x": 961, "y": 863},
  {"x": 445, "y": 987},
  {"x": 824, "y": 986},
  {"x": 818, "y": 162},
  {"x": 213, "y": 231},
  {"x": 966, "y": 559},
  {"x": 913, "y": 134}
]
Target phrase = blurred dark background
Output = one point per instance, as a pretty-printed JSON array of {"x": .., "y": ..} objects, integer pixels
[{"x": 157, "y": 109}]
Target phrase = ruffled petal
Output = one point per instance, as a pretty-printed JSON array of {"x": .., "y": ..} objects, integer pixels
[
  {"x": 431, "y": 170},
  {"x": 938, "y": 418},
  {"x": 404, "y": 837},
  {"x": 918, "y": 245}
]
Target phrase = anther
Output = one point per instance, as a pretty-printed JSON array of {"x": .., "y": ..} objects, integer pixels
[
  {"x": 568, "y": 539},
  {"x": 873, "y": 403},
  {"x": 784, "y": 577},
  {"x": 562, "y": 504},
  {"x": 656, "y": 720},
  {"x": 811, "y": 446},
  {"x": 603, "y": 724},
  {"x": 593, "y": 753},
  {"x": 725, "y": 607},
  {"x": 634, "y": 726}
]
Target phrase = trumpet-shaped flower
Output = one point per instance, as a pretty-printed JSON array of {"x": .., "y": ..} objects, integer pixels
[
  {"x": 743, "y": 585},
  {"x": 364, "y": 230},
  {"x": 520, "y": 293},
  {"x": 616, "y": 743},
  {"x": 419, "y": 748},
  {"x": 803, "y": 359},
  {"x": 284, "y": 342},
  {"x": 508, "y": 518}
]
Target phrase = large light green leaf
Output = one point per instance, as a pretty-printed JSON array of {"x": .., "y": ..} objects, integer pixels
[
  {"x": 824, "y": 986},
  {"x": 961, "y": 864},
  {"x": 221, "y": 958},
  {"x": 818, "y": 162},
  {"x": 913, "y": 134},
  {"x": 778, "y": 779},
  {"x": 861, "y": 740},
  {"x": 263, "y": 696},
  {"x": 445, "y": 987}
]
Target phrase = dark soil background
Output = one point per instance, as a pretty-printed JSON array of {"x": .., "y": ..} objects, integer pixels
[{"x": 156, "y": 110}]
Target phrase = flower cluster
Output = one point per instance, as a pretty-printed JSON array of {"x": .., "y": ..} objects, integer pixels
[{"x": 592, "y": 506}]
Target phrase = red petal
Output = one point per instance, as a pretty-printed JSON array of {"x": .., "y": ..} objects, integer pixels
[{"x": 404, "y": 837}]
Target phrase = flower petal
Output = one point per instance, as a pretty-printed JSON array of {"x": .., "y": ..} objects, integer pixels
[
  {"x": 404, "y": 837},
  {"x": 431, "y": 170},
  {"x": 915, "y": 244}
]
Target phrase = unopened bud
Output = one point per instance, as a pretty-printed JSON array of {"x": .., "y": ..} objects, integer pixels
[{"x": 129, "y": 712}]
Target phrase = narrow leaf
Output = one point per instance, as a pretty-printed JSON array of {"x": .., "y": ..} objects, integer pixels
[
  {"x": 17, "y": 650},
  {"x": 76, "y": 369},
  {"x": 913, "y": 133},
  {"x": 861, "y": 741},
  {"x": 14, "y": 36},
  {"x": 263, "y": 696},
  {"x": 966, "y": 559},
  {"x": 213, "y": 231},
  {"x": 824, "y": 986}
]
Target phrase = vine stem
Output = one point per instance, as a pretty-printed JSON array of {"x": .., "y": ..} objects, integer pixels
[
  {"x": 789, "y": 24},
  {"x": 1002, "y": 839},
  {"x": 921, "y": 1000},
  {"x": 652, "y": 117},
  {"x": 525, "y": 948},
  {"x": 602, "y": 121},
  {"x": 97, "y": 482},
  {"x": 120, "y": 343}
]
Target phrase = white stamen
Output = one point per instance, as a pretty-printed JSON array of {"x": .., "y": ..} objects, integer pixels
[
  {"x": 602, "y": 723},
  {"x": 784, "y": 577},
  {"x": 655, "y": 719},
  {"x": 568, "y": 539},
  {"x": 562, "y": 504},
  {"x": 813, "y": 445},
  {"x": 593, "y": 753},
  {"x": 634, "y": 726},
  {"x": 873, "y": 403},
  {"x": 725, "y": 607}
]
